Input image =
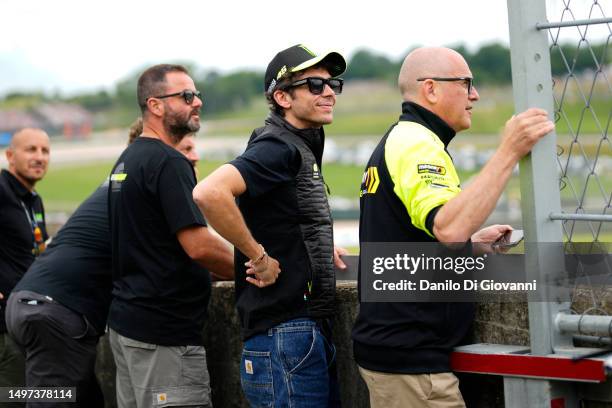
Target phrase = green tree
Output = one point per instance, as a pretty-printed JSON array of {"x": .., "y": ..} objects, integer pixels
[
  {"x": 366, "y": 64},
  {"x": 231, "y": 91},
  {"x": 491, "y": 64}
]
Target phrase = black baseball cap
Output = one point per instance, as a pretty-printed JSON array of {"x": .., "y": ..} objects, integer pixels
[{"x": 298, "y": 58}]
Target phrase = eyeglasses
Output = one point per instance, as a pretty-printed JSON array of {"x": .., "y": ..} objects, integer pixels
[
  {"x": 469, "y": 81},
  {"x": 186, "y": 94},
  {"x": 316, "y": 85}
]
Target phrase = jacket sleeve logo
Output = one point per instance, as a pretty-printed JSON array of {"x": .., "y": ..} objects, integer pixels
[
  {"x": 431, "y": 169},
  {"x": 370, "y": 181}
]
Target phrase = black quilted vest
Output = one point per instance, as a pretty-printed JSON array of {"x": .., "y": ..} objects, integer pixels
[{"x": 293, "y": 222}]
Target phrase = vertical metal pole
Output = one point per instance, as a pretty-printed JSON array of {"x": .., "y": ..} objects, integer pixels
[
  {"x": 540, "y": 196},
  {"x": 532, "y": 87}
]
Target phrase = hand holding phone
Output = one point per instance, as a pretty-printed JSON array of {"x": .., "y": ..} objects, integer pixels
[{"x": 509, "y": 240}]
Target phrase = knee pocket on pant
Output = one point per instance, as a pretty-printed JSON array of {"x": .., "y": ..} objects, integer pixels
[
  {"x": 193, "y": 366},
  {"x": 256, "y": 378}
]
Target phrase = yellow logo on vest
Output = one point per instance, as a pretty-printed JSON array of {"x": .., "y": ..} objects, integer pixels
[
  {"x": 370, "y": 181},
  {"x": 315, "y": 171}
]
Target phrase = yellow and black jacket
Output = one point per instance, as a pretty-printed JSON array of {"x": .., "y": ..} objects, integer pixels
[{"x": 409, "y": 176}]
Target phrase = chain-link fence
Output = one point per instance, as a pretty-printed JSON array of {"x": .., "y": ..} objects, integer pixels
[{"x": 582, "y": 93}]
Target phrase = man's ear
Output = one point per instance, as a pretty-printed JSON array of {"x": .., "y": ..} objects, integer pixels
[
  {"x": 429, "y": 91},
  {"x": 283, "y": 98},
  {"x": 155, "y": 106},
  {"x": 9, "y": 155}
]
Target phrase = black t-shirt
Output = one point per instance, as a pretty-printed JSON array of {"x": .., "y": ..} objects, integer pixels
[
  {"x": 20, "y": 212},
  {"x": 75, "y": 270},
  {"x": 269, "y": 167},
  {"x": 160, "y": 295},
  {"x": 265, "y": 164}
]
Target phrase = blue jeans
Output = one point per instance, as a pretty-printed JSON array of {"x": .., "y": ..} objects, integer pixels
[{"x": 292, "y": 365}]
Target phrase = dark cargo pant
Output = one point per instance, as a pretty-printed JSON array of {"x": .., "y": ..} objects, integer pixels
[{"x": 59, "y": 347}]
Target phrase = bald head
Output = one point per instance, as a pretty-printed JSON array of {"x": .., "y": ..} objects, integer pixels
[
  {"x": 445, "y": 88},
  {"x": 28, "y": 156},
  {"x": 25, "y": 135},
  {"x": 428, "y": 62}
]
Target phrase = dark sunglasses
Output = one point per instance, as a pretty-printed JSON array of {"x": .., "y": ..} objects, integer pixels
[
  {"x": 467, "y": 80},
  {"x": 316, "y": 85},
  {"x": 187, "y": 96}
]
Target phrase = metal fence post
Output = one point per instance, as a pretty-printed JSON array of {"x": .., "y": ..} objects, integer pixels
[{"x": 532, "y": 87}]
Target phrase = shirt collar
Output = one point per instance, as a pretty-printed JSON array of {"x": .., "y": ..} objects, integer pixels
[
  {"x": 314, "y": 137},
  {"x": 416, "y": 113},
  {"x": 19, "y": 189}
]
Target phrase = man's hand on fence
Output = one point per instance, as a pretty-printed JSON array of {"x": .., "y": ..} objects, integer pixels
[{"x": 524, "y": 130}]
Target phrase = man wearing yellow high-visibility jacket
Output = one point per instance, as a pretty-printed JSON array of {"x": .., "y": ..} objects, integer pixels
[{"x": 411, "y": 193}]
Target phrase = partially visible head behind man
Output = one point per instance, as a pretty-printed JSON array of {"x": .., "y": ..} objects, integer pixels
[
  {"x": 188, "y": 148},
  {"x": 167, "y": 94},
  {"x": 288, "y": 64},
  {"x": 28, "y": 156},
  {"x": 440, "y": 80},
  {"x": 135, "y": 130}
]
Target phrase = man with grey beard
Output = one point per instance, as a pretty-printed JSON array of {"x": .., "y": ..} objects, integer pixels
[{"x": 160, "y": 294}]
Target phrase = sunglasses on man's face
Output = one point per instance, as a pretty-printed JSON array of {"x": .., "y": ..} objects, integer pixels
[
  {"x": 316, "y": 85},
  {"x": 187, "y": 95}
]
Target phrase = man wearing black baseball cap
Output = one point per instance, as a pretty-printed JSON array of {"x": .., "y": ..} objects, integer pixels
[{"x": 282, "y": 221}]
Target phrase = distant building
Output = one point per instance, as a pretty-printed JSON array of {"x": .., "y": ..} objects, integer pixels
[
  {"x": 13, "y": 120},
  {"x": 71, "y": 121}
]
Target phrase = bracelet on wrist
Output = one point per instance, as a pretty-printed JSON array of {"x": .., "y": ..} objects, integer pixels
[{"x": 261, "y": 258}]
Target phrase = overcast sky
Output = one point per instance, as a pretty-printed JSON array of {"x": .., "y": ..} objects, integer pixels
[{"x": 71, "y": 45}]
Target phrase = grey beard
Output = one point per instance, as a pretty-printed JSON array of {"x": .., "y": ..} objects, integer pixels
[{"x": 177, "y": 131}]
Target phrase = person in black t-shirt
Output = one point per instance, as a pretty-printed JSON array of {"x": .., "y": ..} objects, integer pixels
[
  {"x": 157, "y": 232},
  {"x": 288, "y": 358},
  {"x": 58, "y": 310},
  {"x": 22, "y": 222}
]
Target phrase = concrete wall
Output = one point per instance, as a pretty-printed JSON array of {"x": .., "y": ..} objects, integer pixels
[{"x": 504, "y": 323}]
